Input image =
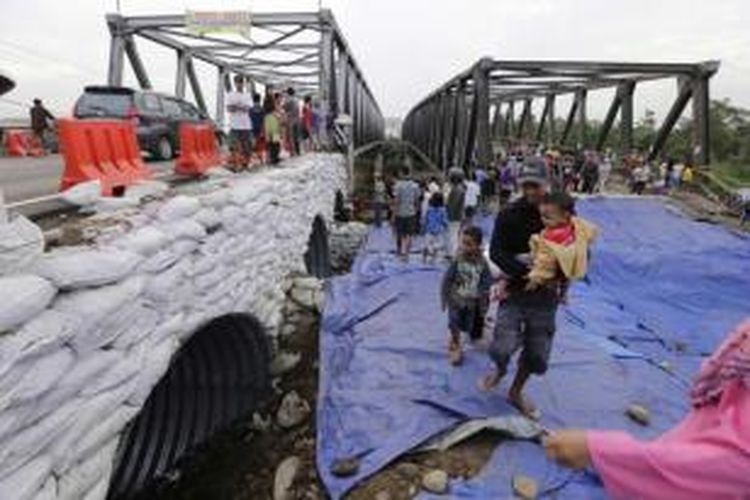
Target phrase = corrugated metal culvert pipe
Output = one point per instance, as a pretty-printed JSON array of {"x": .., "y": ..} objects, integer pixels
[{"x": 218, "y": 376}]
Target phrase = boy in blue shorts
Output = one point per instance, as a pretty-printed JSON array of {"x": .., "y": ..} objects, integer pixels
[{"x": 465, "y": 292}]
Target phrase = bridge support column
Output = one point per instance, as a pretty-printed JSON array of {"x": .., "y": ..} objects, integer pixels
[
  {"x": 137, "y": 63},
  {"x": 510, "y": 119},
  {"x": 701, "y": 120},
  {"x": 116, "y": 51},
  {"x": 625, "y": 91},
  {"x": 581, "y": 97},
  {"x": 523, "y": 123},
  {"x": 683, "y": 96},
  {"x": 221, "y": 82},
  {"x": 195, "y": 85},
  {"x": 327, "y": 82},
  {"x": 481, "y": 138},
  {"x": 181, "y": 77}
]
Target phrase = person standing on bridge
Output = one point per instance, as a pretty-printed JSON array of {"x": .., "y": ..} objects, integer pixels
[
  {"x": 240, "y": 126},
  {"x": 406, "y": 198},
  {"x": 272, "y": 129},
  {"x": 455, "y": 207},
  {"x": 40, "y": 121},
  {"x": 292, "y": 121},
  {"x": 526, "y": 318}
]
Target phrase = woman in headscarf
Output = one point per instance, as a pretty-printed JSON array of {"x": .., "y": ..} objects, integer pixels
[{"x": 707, "y": 455}]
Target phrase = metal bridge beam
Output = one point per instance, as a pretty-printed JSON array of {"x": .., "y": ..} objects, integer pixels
[
  {"x": 136, "y": 63},
  {"x": 683, "y": 96}
]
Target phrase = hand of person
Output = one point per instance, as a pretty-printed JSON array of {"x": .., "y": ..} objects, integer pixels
[{"x": 568, "y": 447}]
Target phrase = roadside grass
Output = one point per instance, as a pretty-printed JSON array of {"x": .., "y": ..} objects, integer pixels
[{"x": 732, "y": 174}]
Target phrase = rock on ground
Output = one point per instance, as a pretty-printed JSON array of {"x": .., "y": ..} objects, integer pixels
[
  {"x": 293, "y": 410},
  {"x": 639, "y": 414},
  {"x": 436, "y": 481},
  {"x": 284, "y": 478}
]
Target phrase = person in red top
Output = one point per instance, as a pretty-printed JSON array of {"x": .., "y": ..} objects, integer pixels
[{"x": 307, "y": 124}]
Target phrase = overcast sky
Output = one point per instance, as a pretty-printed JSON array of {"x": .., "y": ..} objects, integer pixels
[{"x": 405, "y": 47}]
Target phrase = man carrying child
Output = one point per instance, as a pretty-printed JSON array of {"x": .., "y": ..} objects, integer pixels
[{"x": 536, "y": 280}]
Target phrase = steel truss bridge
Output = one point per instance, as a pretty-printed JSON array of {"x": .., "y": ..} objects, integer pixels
[
  {"x": 306, "y": 51},
  {"x": 460, "y": 120}
]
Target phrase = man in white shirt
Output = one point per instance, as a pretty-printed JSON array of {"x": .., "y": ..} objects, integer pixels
[
  {"x": 239, "y": 104},
  {"x": 471, "y": 198}
]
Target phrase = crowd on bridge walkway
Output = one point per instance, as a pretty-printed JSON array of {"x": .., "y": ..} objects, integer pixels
[
  {"x": 538, "y": 246},
  {"x": 262, "y": 127}
]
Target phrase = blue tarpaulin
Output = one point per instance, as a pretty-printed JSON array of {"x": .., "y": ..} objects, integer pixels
[{"x": 662, "y": 288}]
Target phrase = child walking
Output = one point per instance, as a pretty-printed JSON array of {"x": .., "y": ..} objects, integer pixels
[
  {"x": 465, "y": 292},
  {"x": 435, "y": 228}
]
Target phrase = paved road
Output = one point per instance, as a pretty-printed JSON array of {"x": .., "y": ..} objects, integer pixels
[{"x": 28, "y": 178}]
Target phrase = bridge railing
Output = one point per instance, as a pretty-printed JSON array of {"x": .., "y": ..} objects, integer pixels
[
  {"x": 306, "y": 51},
  {"x": 459, "y": 121}
]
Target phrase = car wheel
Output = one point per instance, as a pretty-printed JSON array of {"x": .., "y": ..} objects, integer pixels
[{"x": 164, "y": 150}]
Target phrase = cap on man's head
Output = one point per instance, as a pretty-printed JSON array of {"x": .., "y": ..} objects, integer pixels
[{"x": 533, "y": 172}]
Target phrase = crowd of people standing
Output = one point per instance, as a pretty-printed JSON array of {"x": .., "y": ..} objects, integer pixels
[{"x": 261, "y": 127}]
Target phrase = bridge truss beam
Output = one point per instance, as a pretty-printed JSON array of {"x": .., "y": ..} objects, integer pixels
[
  {"x": 305, "y": 51},
  {"x": 495, "y": 87}
]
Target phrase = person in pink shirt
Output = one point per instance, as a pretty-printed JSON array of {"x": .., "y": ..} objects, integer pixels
[{"x": 707, "y": 455}]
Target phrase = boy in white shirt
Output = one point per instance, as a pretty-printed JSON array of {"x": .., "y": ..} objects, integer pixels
[{"x": 239, "y": 104}]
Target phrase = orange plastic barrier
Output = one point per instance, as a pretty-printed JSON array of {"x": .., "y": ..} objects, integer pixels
[
  {"x": 100, "y": 149},
  {"x": 199, "y": 151},
  {"x": 21, "y": 142}
]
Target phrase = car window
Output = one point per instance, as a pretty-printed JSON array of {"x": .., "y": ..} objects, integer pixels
[
  {"x": 150, "y": 102},
  {"x": 172, "y": 108},
  {"x": 103, "y": 104}
]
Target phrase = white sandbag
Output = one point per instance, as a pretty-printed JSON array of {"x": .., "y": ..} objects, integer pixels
[
  {"x": 117, "y": 374},
  {"x": 178, "y": 208},
  {"x": 208, "y": 217},
  {"x": 83, "y": 194},
  {"x": 215, "y": 199},
  {"x": 92, "y": 415},
  {"x": 18, "y": 448},
  {"x": 85, "y": 475},
  {"x": 89, "y": 369},
  {"x": 103, "y": 312},
  {"x": 143, "y": 325},
  {"x": 100, "y": 490},
  {"x": 145, "y": 241},
  {"x": 185, "y": 228},
  {"x": 111, "y": 329},
  {"x": 170, "y": 327},
  {"x": 25, "y": 483},
  {"x": 48, "y": 490},
  {"x": 107, "y": 204},
  {"x": 103, "y": 432},
  {"x": 41, "y": 374},
  {"x": 161, "y": 287},
  {"x": 146, "y": 188},
  {"x": 154, "y": 368},
  {"x": 41, "y": 335},
  {"x": 21, "y": 244},
  {"x": 80, "y": 268},
  {"x": 22, "y": 297}
]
